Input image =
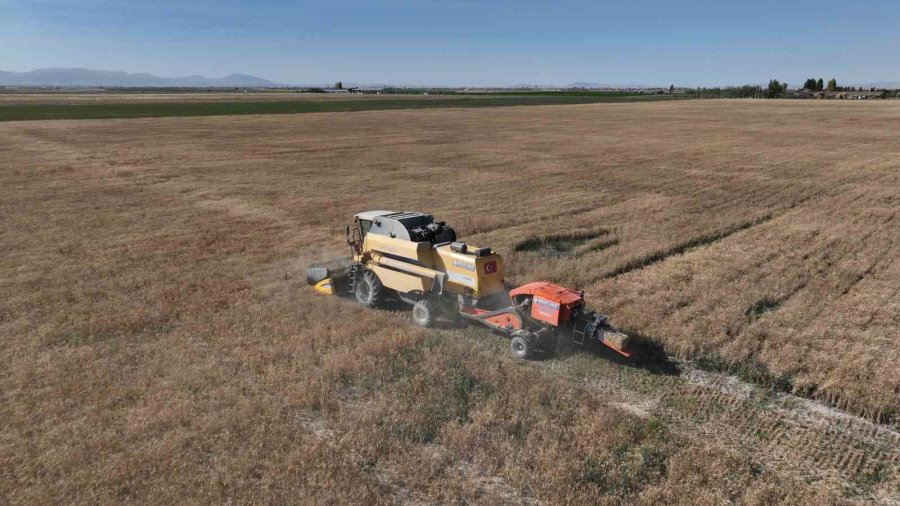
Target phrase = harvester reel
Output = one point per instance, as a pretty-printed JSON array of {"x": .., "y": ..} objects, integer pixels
[{"x": 370, "y": 292}]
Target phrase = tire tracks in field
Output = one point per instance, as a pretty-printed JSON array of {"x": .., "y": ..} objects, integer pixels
[
  {"x": 840, "y": 287},
  {"x": 781, "y": 431}
]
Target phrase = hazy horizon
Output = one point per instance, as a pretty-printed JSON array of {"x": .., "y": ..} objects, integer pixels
[{"x": 240, "y": 79}]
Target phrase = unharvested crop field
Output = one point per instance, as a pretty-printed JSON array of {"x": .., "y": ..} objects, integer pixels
[
  {"x": 110, "y": 97},
  {"x": 158, "y": 343}
]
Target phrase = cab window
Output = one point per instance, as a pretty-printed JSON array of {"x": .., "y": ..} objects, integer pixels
[{"x": 364, "y": 226}]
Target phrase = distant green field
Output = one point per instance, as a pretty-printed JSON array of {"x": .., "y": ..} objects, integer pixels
[{"x": 24, "y": 112}]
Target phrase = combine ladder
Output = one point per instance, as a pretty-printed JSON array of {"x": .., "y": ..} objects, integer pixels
[{"x": 578, "y": 335}]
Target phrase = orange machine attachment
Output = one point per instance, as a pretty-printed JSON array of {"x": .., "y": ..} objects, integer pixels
[
  {"x": 506, "y": 319},
  {"x": 563, "y": 307},
  {"x": 550, "y": 303}
]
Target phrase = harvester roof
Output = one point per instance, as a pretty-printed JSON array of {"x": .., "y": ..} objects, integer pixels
[
  {"x": 411, "y": 226},
  {"x": 371, "y": 215}
]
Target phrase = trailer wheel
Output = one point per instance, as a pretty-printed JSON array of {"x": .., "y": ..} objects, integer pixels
[
  {"x": 520, "y": 348},
  {"x": 423, "y": 313},
  {"x": 369, "y": 290}
]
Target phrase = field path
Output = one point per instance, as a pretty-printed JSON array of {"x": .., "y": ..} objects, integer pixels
[{"x": 788, "y": 433}]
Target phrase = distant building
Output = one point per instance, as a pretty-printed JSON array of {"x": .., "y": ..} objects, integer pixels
[
  {"x": 356, "y": 89},
  {"x": 855, "y": 95},
  {"x": 837, "y": 95},
  {"x": 367, "y": 90}
]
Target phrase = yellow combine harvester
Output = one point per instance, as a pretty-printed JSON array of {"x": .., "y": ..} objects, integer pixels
[{"x": 410, "y": 257}]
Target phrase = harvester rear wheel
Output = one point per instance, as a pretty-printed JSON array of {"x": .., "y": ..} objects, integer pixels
[
  {"x": 423, "y": 313},
  {"x": 369, "y": 290},
  {"x": 520, "y": 348}
]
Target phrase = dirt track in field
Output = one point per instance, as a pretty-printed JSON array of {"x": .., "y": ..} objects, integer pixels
[{"x": 790, "y": 433}]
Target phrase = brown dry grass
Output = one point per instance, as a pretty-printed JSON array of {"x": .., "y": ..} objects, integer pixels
[{"x": 159, "y": 345}]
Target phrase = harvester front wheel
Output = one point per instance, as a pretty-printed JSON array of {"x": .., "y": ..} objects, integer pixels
[
  {"x": 520, "y": 348},
  {"x": 369, "y": 290},
  {"x": 423, "y": 313}
]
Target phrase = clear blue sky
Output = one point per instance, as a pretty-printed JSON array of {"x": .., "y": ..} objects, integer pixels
[{"x": 462, "y": 42}]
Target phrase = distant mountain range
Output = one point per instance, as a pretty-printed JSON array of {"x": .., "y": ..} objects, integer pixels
[{"x": 88, "y": 77}]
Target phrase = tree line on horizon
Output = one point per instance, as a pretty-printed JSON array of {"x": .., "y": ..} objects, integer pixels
[
  {"x": 813, "y": 84},
  {"x": 777, "y": 89}
]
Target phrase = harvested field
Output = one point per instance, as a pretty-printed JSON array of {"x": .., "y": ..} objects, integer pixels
[{"x": 158, "y": 342}]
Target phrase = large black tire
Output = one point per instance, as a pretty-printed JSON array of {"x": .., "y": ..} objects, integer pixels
[
  {"x": 370, "y": 292},
  {"x": 423, "y": 313},
  {"x": 520, "y": 348}
]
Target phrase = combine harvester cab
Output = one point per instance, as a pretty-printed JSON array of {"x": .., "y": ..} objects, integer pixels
[{"x": 409, "y": 257}]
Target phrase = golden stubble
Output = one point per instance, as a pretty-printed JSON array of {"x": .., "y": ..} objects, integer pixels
[{"x": 159, "y": 343}]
